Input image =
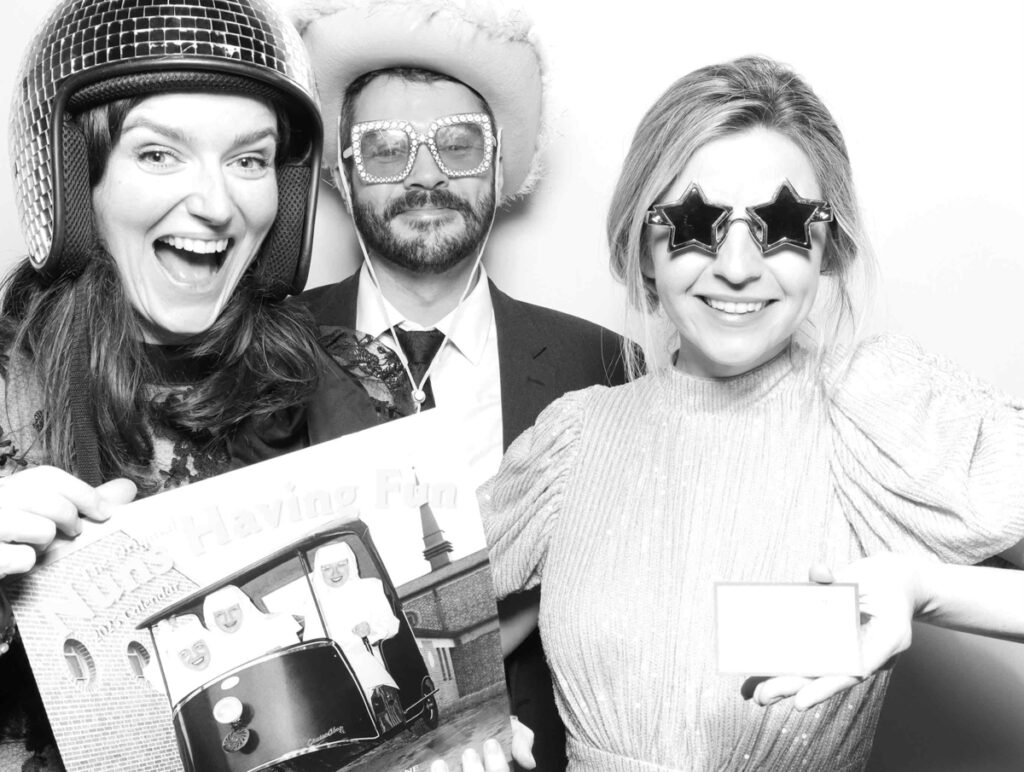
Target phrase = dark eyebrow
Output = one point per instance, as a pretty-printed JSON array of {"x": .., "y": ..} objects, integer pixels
[
  {"x": 141, "y": 122},
  {"x": 171, "y": 133},
  {"x": 255, "y": 136}
]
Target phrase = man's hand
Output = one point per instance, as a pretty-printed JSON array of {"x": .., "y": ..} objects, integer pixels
[
  {"x": 889, "y": 595},
  {"x": 494, "y": 757}
]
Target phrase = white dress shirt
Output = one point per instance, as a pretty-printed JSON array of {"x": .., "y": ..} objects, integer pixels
[{"x": 464, "y": 377}]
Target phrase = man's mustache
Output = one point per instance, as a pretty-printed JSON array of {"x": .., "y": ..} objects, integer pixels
[{"x": 419, "y": 199}]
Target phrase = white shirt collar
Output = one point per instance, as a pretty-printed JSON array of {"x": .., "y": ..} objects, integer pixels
[{"x": 467, "y": 326}]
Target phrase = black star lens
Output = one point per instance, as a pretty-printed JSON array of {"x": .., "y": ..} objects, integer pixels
[
  {"x": 694, "y": 221},
  {"x": 786, "y": 219}
]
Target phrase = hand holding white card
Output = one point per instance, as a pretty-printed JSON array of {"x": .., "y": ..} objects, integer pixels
[
  {"x": 887, "y": 595},
  {"x": 788, "y": 629}
]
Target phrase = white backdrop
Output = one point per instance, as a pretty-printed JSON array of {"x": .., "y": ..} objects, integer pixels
[{"x": 930, "y": 98}]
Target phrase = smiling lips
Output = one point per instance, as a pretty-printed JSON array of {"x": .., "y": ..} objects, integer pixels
[
  {"x": 735, "y": 307},
  {"x": 428, "y": 212},
  {"x": 191, "y": 261}
]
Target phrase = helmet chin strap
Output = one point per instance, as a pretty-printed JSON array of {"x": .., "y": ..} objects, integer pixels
[
  {"x": 418, "y": 393},
  {"x": 84, "y": 434}
]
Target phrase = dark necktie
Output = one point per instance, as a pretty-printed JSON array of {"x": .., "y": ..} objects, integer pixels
[{"x": 420, "y": 347}]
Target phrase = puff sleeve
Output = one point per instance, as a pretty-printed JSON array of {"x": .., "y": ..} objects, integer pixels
[
  {"x": 925, "y": 456},
  {"x": 520, "y": 505}
]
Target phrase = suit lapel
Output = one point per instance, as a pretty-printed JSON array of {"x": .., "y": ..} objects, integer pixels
[
  {"x": 348, "y": 291},
  {"x": 526, "y": 366},
  {"x": 334, "y": 305}
]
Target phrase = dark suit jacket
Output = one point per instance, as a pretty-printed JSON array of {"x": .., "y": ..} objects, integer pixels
[{"x": 542, "y": 354}]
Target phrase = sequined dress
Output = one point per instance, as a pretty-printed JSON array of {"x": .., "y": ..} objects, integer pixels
[{"x": 629, "y": 503}]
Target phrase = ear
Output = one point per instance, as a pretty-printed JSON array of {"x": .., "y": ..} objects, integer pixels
[
  {"x": 647, "y": 264},
  {"x": 647, "y": 267},
  {"x": 341, "y": 182},
  {"x": 827, "y": 256},
  {"x": 499, "y": 171},
  {"x": 647, "y": 272}
]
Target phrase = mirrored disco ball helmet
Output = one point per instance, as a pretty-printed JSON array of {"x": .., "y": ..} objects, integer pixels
[{"x": 89, "y": 52}]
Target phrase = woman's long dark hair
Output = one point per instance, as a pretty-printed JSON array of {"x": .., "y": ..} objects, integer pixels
[
  {"x": 262, "y": 357},
  {"x": 261, "y": 354}
]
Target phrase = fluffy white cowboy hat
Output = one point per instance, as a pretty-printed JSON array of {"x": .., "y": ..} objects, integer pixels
[{"x": 490, "y": 49}]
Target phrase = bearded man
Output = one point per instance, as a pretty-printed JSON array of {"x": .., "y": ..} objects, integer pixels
[{"x": 438, "y": 113}]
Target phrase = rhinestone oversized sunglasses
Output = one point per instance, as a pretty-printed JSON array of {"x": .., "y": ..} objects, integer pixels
[
  {"x": 384, "y": 151},
  {"x": 785, "y": 221}
]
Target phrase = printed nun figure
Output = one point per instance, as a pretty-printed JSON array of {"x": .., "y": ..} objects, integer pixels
[
  {"x": 358, "y": 617},
  {"x": 186, "y": 654},
  {"x": 240, "y": 632}
]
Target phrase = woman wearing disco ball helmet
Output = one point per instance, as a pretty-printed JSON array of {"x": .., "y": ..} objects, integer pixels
[{"x": 165, "y": 156}]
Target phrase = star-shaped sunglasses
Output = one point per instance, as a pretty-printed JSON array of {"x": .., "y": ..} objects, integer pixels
[
  {"x": 785, "y": 221},
  {"x": 385, "y": 151}
]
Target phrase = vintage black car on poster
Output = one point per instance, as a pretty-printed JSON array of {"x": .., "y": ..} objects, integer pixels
[{"x": 327, "y": 662}]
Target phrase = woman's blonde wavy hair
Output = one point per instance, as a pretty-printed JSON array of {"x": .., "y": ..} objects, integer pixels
[{"x": 715, "y": 102}]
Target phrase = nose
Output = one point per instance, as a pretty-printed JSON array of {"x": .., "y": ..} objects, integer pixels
[
  {"x": 739, "y": 260},
  {"x": 210, "y": 198},
  {"x": 425, "y": 172}
]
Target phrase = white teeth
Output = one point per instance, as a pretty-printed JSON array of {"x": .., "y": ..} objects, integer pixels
[
  {"x": 199, "y": 246},
  {"x": 729, "y": 307}
]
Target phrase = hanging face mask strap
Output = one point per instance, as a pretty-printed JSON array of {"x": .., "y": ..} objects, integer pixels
[{"x": 346, "y": 184}]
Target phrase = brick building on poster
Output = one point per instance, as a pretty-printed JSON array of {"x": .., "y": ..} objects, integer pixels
[
  {"x": 452, "y": 612},
  {"x": 96, "y": 672}
]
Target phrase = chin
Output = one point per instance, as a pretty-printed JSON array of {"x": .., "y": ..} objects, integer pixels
[
  {"x": 739, "y": 362},
  {"x": 182, "y": 323},
  {"x": 175, "y": 333}
]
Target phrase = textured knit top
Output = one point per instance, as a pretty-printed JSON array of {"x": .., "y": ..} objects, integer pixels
[{"x": 629, "y": 503}]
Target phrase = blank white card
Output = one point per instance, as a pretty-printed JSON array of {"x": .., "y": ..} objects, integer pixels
[{"x": 788, "y": 629}]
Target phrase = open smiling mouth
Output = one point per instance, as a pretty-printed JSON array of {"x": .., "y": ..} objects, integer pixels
[
  {"x": 429, "y": 213},
  {"x": 191, "y": 262},
  {"x": 737, "y": 308}
]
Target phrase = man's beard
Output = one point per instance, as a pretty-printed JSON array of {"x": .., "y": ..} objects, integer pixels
[{"x": 425, "y": 253}]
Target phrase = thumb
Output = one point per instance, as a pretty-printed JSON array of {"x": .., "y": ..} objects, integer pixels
[
  {"x": 522, "y": 744},
  {"x": 111, "y": 494},
  {"x": 821, "y": 574}
]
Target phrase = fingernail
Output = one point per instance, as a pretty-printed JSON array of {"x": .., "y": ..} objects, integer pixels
[
  {"x": 492, "y": 747},
  {"x": 439, "y": 766},
  {"x": 102, "y": 510}
]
